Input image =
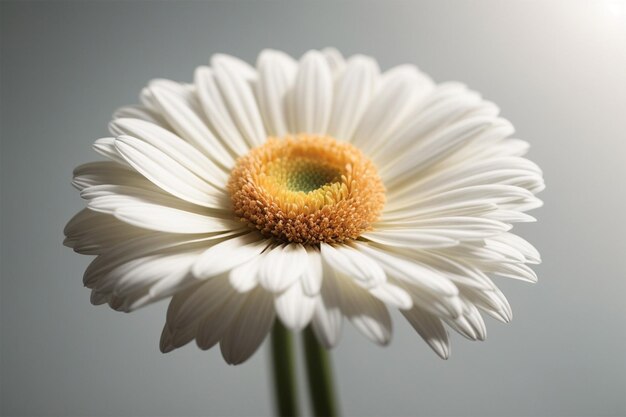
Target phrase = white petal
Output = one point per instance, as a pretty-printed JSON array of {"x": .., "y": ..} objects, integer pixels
[
  {"x": 434, "y": 113},
  {"x": 327, "y": 318},
  {"x": 130, "y": 284},
  {"x": 108, "y": 198},
  {"x": 206, "y": 300},
  {"x": 353, "y": 263},
  {"x": 506, "y": 252},
  {"x": 93, "y": 233},
  {"x": 403, "y": 269},
  {"x": 366, "y": 313},
  {"x": 244, "y": 278},
  {"x": 492, "y": 302},
  {"x": 409, "y": 238},
  {"x": 416, "y": 213},
  {"x": 398, "y": 94},
  {"x": 312, "y": 277},
  {"x": 441, "y": 306},
  {"x": 216, "y": 111},
  {"x": 240, "y": 101},
  {"x": 456, "y": 269},
  {"x": 169, "y": 174},
  {"x": 392, "y": 295},
  {"x": 141, "y": 113},
  {"x": 282, "y": 266},
  {"x": 433, "y": 149},
  {"x": 526, "y": 249},
  {"x": 505, "y": 171},
  {"x": 145, "y": 244},
  {"x": 477, "y": 194},
  {"x": 470, "y": 324},
  {"x": 228, "y": 254},
  {"x": 353, "y": 91},
  {"x": 166, "y": 275},
  {"x": 277, "y": 71},
  {"x": 172, "y": 338},
  {"x": 234, "y": 64},
  {"x": 106, "y": 148},
  {"x": 216, "y": 323},
  {"x": 294, "y": 307},
  {"x": 252, "y": 324},
  {"x": 335, "y": 60},
  {"x": 431, "y": 329},
  {"x": 174, "y": 147},
  {"x": 515, "y": 271},
  {"x": 106, "y": 172},
  {"x": 170, "y": 220},
  {"x": 452, "y": 228},
  {"x": 139, "y": 272},
  {"x": 312, "y": 94},
  {"x": 189, "y": 125}
]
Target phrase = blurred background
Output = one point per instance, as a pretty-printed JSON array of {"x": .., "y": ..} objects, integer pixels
[{"x": 557, "y": 70}]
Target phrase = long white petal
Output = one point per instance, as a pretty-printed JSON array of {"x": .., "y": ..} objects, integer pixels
[
  {"x": 277, "y": 71},
  {"x": 431, "y": 329},
  {"x": 171, "y": 220},
  {"x": 174, "y": 147},
  {"x": 365, "y": 312},
  {"x": 244, "y": 278},
  {"x": 409, "y": 238},
  {"x": 93, "y": 233},
  {"x": 313, "y": 274},
  {"x": 335, "y": 60},
  {"x": 392, "y": 295},
  {"x": 228, "y": 254},
  {"x": 294, "y": 307},
  {"x": 216, "y": 323},
  {"x": 452, "y": 228},
  {"x": 241, "y": 102},
  {"x": 234, "y": 64},
  {"x": 146, "y": 244},
  {"x": 401, "y": 89},
  {"x": 107, "y": 198},
  {"x": 249, "y": 328},
  {"x": 353, "y": 91},
  {"x": 327, "y": 319},
  {"x": 169, "y": 174},
  {"x": 312, "y": 94},
  {"x": 433, "y": 149},
  {"x": 106, "y": 148},
  {"x": 189, "y": 125},
  {"x": 402, "y": 268},
  {"x": 282, "y": 266},
  {"x": 216, "y": 111},
  {"x": 353, "y": 263},
  {"x": 436, "y": 111},
  {"x": 207, "y": 299},
  {"x": 107, "y": 172}
]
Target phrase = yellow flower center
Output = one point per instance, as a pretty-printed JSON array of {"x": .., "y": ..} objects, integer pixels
[{"x": 307, "y": 189}]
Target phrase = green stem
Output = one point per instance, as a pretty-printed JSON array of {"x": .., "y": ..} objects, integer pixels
[
  {"x": 320, "y": 375},
  {"x": 284, "y": 371}
]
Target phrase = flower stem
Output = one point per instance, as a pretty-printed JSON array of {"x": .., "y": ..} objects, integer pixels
[
  {"x": 320, "y": 375},
  {"x": 284, "y": 371}
]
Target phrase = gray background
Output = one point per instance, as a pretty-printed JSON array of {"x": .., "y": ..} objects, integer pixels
[{"x": 558, "y": 71}]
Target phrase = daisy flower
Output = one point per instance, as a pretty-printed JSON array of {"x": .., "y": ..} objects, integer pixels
[{"x": 314, "y": 191}]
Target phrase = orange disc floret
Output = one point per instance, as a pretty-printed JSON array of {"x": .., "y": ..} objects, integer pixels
[{"x": 307, "y": 189}]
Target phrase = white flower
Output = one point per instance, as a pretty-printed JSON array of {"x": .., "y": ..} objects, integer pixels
[{"x": 312, "y": 190}]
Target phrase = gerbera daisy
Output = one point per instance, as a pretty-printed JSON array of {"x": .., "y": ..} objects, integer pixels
[{"x": 311, "y": 191}]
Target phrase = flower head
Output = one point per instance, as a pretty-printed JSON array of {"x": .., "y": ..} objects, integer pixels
[{"x": 315, "y": 190}]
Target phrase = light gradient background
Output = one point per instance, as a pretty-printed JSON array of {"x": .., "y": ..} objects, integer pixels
[{"x": 558, "y": 71}]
